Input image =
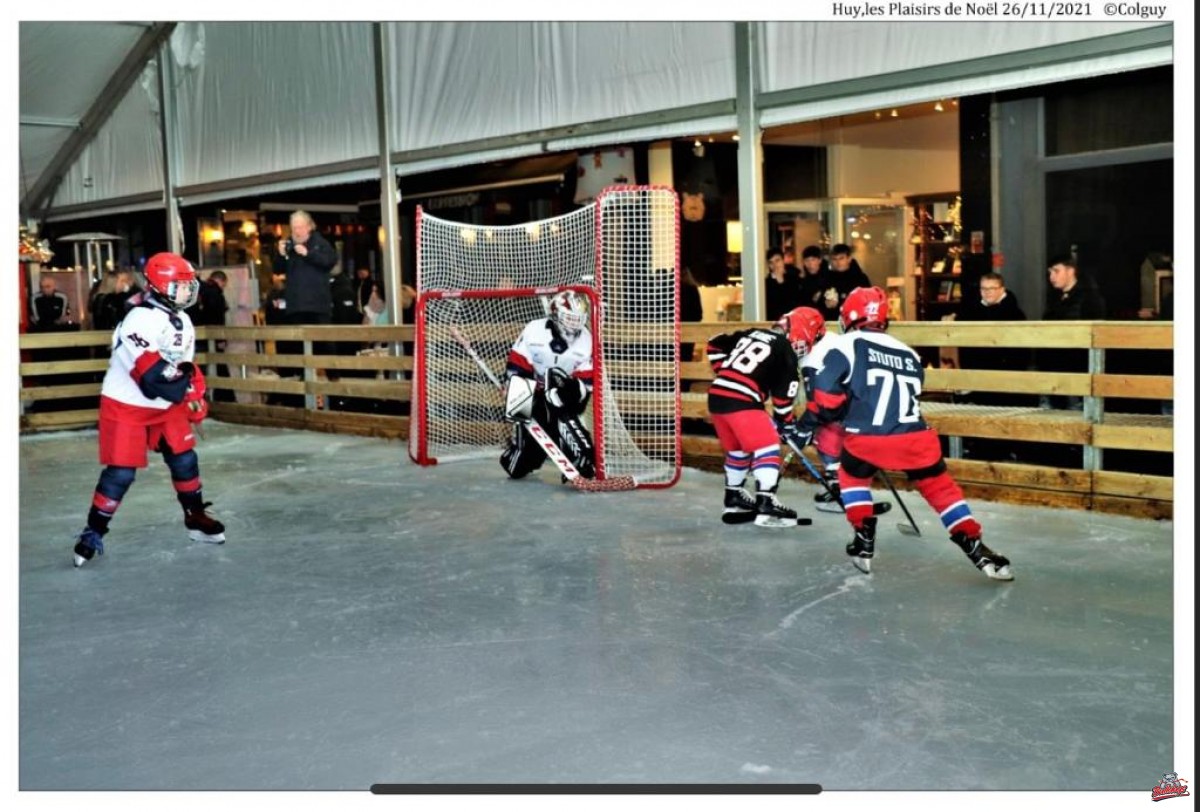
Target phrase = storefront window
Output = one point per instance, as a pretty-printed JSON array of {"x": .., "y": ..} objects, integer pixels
[{"x": 1110, "y": 112}]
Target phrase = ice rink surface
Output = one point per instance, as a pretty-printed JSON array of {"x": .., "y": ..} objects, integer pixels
[{"x": 370, "y": 621}]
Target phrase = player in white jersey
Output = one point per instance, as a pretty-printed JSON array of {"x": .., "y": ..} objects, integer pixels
[
  {"x": 551, "y": 362},
  {"x": 152, "y": 394}
]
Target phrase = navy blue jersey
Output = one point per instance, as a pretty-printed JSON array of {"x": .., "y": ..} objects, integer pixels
[
  {"x": 872, "y": 383},
  {"x": 750, "y": 366}
]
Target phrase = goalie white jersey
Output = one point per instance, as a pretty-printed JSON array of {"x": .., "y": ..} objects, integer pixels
[
  {"x": 539, "y": 348},
  {"x": 149, "y": 333}
]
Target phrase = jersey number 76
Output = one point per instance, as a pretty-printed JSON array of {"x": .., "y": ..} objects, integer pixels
[{"x": 907, "y": 389}]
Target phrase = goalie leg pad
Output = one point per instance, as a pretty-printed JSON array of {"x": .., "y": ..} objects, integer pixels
[
  {"x": 522, "y": 456},
  {"x": 518, "y": 402},
  {"x": 576, "y": 443}
]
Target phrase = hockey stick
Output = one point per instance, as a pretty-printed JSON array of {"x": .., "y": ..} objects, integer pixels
[
  {"x": 575, "y": 479},
  {"x": 878, "y": 508},
  {"x": 911, "y": 528}
]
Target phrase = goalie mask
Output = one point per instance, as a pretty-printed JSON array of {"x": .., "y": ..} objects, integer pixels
[
  {"x": 173, "y": 280},
  {"x": 804, "y": 327},
  {"x": 569, "y": 313}
]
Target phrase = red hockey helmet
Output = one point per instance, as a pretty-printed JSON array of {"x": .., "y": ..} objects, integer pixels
[
  {"x": 804, "y": 327},
  {"x": 864, "y": 309},
  {"x": 569, "y": 312},
  {"x": 173, "y": 280}
]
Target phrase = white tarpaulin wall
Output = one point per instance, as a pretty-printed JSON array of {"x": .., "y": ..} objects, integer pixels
[
  {"x": 125, "y": 157},
  {"x": 268, "y": 97},
  {"x": 806, "y": 54},
  {"x": 261, "y": 98},
  {"x": 469, "y": 81}
]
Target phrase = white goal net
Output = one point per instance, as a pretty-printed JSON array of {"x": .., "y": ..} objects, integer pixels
[{"x": 478, "y": 286}]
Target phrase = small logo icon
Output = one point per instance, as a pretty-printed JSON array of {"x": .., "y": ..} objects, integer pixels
[{"x": 1171, "y": 786}]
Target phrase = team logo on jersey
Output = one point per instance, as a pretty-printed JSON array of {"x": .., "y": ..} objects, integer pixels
[{"x": 1171, "y": 786}]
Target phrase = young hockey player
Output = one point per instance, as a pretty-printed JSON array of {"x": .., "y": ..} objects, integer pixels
[
  {"x": 809, "y": 326},
  {"x": 550, "y": 381},
  {"x": 752, "y": 365},
  {"x": 151, "y": 396},
  {"x": 871, "y": 383}
]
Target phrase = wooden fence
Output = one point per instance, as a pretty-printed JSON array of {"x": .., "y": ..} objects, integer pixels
[{"x": 60, "y": 366}]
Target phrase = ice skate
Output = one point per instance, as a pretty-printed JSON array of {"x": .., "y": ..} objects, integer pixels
[
  {"x": 989, "y": 562},
  {"x": 862, "y": 549},
  {"x": 739, "y": 506},
  {"x": 88, "y": 545},
  {"x": 202, "y": 527},
  {"x": 771, "y": 513},
  {"x": 831, "y": 497}
]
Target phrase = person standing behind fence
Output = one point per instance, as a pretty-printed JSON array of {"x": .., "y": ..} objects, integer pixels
[
  {"x": 1072, "y": 298},
  {"x": 995, "y": 303},
  {"x": 306, "y": 259},
  {"x": 844, "y": 275}
]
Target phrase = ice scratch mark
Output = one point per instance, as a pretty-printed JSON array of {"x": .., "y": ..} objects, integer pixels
[
  {"x": 289, "y": 472},
  {"x": 755, "y": 769},
  {"x": 849, "y": 582}
]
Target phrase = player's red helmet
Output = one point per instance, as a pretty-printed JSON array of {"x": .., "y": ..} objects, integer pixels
[
  {"x": 569, "y": 312},
  {"x": 864, "y": 309},
  {"x": 173, "y": 280},
  {"x": 804, "y": 327}
]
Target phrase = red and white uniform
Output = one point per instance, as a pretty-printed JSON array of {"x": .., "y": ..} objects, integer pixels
[
  {"x": 538, "y": 349},
  {"x": 130, "y": 422}
]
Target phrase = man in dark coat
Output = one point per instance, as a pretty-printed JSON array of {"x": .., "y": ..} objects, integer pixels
[{"x": 306, "y": 258}]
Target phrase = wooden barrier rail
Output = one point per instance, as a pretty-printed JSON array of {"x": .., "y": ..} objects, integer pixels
[{"x": 318, "y": 379}]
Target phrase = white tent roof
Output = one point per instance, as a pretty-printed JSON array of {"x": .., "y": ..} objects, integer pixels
[{"x": 274, "y": 105}]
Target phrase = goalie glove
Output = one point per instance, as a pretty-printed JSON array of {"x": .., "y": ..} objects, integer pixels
[{"x": 569, "y": 397}]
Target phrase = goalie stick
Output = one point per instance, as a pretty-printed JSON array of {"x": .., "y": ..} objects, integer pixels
[{"x": 534, "y": 429}]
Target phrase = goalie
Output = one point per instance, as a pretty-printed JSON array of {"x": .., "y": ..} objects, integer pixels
[{"x": 550, "y": 383}]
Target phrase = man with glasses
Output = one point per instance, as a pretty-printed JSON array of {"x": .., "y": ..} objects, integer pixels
[{"x": 995, "y": 303}]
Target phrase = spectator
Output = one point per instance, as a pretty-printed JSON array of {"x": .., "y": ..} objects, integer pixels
[
  {"x": 782, "y": 285},
  {"x": 344, "y": 297},
  {"x": 1072, "y": 298},
  {"x": 691, "y": 308},
  {"x": 814, "y": 274},
  {"x": 375, "y": 312},
  {"x": 995, "y": 303},
  {"x": 306, "y": 259},
  {"x": 209, "y": 310},
  {"x": 844, "y": 275},
  {"x": 49, "y": 309},
  {"x": 363, "y": 283},
  {"x": 210, "y": 307},
  {"x": 275, "y": 305}
]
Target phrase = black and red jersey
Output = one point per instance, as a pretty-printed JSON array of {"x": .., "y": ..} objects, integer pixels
[{"x": 752, "y": 366}]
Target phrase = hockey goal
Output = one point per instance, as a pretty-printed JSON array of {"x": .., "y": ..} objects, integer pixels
[{"x": 478, "y": 286}]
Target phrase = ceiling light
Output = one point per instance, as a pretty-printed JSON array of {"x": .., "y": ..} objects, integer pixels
[
  {"x": 895, "y": 113},
  {"x": 878, "y": 115},
  {"x": 938, "y": 106},
  {"x": 737, "y": 137}
]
